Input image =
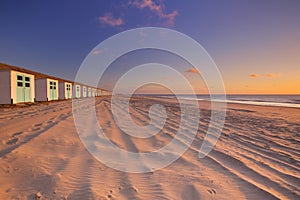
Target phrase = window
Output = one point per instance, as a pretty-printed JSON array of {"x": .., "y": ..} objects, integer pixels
[
  {"x": 51, "y": 83},
  {"x": 27, "y": 84},
  {"x": 27, "y": 79},
  {"x": 20, "y": 84},
  {"x": 50, "y": 87},
  {"x": 20, "y": 78}
]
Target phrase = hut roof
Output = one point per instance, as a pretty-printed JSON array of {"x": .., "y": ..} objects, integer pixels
[{"x": 38, "y": 75}]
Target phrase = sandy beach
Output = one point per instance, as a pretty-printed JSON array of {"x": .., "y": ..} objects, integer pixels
[{"x": 256, "y": 157}]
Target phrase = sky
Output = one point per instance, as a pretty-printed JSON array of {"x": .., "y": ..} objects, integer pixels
[{"x": 255, "y": 44}]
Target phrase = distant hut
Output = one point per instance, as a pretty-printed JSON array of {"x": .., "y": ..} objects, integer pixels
[
  {"x": 65, "y": 90},
  {"x": 46, "y": 89},
  {"x": 101, "y": 92},
  {"x": 77, "y": 90},
  {"x": 89, "y": 92},
  {"x": 84, "y": 91}
]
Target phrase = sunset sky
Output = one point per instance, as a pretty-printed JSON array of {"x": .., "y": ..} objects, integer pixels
[{"x": 255, "y": 44}]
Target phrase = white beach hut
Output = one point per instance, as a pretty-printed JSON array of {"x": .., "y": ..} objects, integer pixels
[
  {"x": 15, "y": 86},
  {"x": 46, "y": 89},
  {"x": 84, "y": 91},
  {"x": 93, "y": 92},
  {"x": 89, "y": 93},
  {"x": 104, "y": 92},
  {"x": 100, "y": 92},
  {"x": 77, "y": 91},
  {"x": 65, "y": 90}
]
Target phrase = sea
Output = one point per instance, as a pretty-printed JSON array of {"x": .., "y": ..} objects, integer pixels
[{"x": 263, "y": 100}]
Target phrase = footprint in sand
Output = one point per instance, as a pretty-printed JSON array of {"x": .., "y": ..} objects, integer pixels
[
  {"x": 49, "y": 122},
  {"x": 212, "y": 191},
  {"x": 128, "y": 190},
  {"x": 12, "y": 141},
  {"x": 36, "y": 129},
  {"x": 110, "y": 194},
  {"x": 17, "y": 133},
  {"x": 37, "y": 125}
]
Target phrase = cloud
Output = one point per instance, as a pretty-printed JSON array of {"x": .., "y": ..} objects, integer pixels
[
  {"x": 109, "y": 19},
  {"x": 253, "y": 75},
  {"x": 192, "y": 70},
  {"x": 158, "y": 9},
  {"x": 270, "y": 75},
  {"x": 96, "y": 52}
]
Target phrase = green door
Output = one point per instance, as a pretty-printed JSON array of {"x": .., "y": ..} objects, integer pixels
[
  {"x": 68, "y": 91},
  {"x": 84, "y": 92},
  {"x": 27, "y": 89},
  {"x": 52, "y": 90},
  {"x": 77, "y": 91},
  {"x": 23, "y": 88},
  {"x": 20, "y": 88}
]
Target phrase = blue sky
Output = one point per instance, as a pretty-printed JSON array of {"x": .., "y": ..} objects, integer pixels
[{"x": 255, "y": 44}]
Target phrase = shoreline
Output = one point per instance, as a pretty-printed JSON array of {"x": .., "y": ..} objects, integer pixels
[
  {"x": 228, "y": 102},
  {"x": 246, "y": 102}
]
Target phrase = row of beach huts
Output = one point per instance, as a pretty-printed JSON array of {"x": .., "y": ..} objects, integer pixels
[{"x": 18, "y": 85}]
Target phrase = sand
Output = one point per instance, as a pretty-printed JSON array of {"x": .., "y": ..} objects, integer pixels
[{"x": 256, "y": 157}]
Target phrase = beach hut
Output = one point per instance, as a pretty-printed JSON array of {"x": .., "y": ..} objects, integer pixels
[
  {"x": 100, "y": 92},
  {"x": 77, "y": 91},
  {"x": 84, "y": 91},
  {"x": 89, "y": 92},
  {"x": 65, "y": 90},
  {"x": 16, "y": 86},
  {"x": 93, "y": 92},
  {"x": 46, "y": 89},
  {"x": 104, "y": 92}
]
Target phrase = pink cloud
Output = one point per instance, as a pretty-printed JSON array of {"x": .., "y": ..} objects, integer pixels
[
  {"x": 96, "y": 52},
  {"x": 270, "y": 75},
  {"x": 193, "y": 70},
  {"x": 253, "y": 75},
  {"x": 110, "y": 20},
  {"x": 157, "y": 9}
]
